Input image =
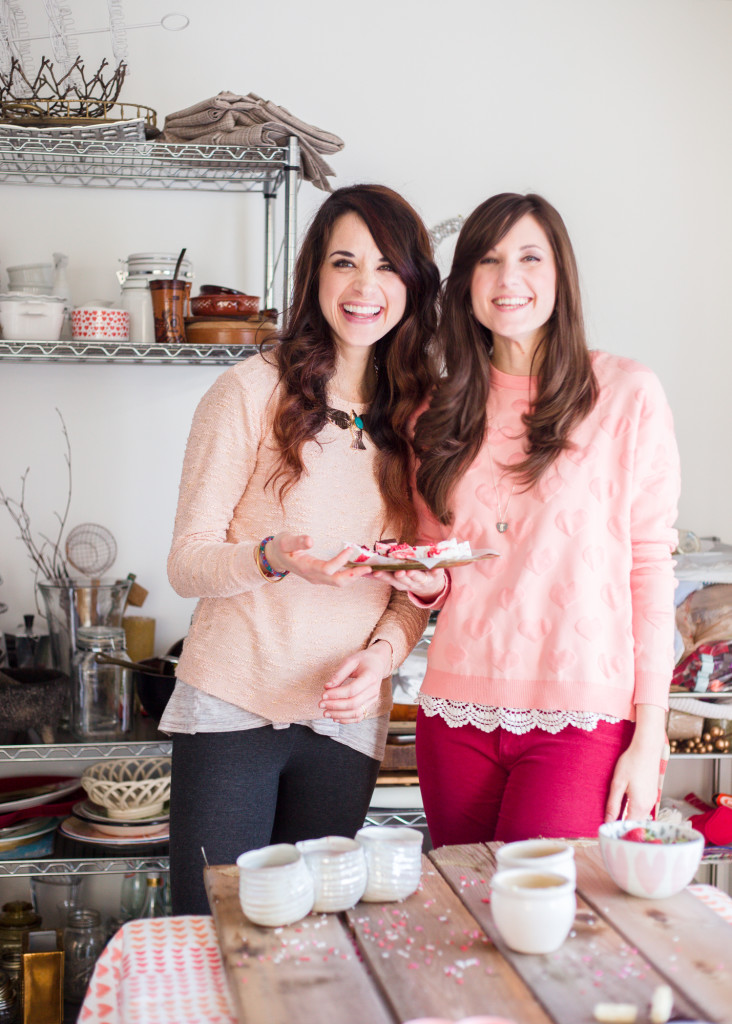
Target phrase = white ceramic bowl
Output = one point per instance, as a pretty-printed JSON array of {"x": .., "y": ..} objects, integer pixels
[
  {"x": 532, "y": 909},
  {"x": 38, "y": 275},
  {"x": 26, "y": 317},
  {"x": 651, "y": 870},
  {"x": 100, "y": 323},
  {"x": 275, "y": 887},
  {"x": 393, "y": 861},
  {"x": 539, "y": 855},
  {"x": 338, "y": 869}
]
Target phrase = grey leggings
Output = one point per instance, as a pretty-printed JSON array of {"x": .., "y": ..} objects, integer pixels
[{"x": 238, "y": 791}]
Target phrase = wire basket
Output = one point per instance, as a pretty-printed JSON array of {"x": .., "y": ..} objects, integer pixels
[
  {"x": 129, "y": 788},
  {"x": 125, "y": 122}
]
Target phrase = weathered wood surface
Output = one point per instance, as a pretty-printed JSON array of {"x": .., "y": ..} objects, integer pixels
[
  {"x": 594, "y": 965},
  {"x": 686, "y": 940},
  {"x": 305, "y": 973},
  {"x": 430, "y": 958},
  {"x": 437, "y": 954}
]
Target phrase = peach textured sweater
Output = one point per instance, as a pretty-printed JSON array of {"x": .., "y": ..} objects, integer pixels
[
  {"x": 577, "y": 613},
  {"x": 269, "y": 647}
]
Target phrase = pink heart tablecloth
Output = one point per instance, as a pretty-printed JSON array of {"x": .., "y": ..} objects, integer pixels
[{"x": 159, "y": 971}]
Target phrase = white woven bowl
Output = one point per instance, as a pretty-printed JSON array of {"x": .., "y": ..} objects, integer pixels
[{"x": 129, "y": 788}]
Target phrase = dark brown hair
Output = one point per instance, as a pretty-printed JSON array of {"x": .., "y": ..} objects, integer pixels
[
  {"x": 306, "y": 353},
  {"x": 450, "y": 433}
]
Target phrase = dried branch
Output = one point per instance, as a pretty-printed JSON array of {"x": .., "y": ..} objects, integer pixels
[
  {"x": 63, "y": 96},
  {"x": 45, "y": 554}
]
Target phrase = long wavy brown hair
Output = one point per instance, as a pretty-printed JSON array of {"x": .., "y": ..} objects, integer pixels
[
  {"x": 450, "y": 433},
  {"x": 306, "y": 353}
]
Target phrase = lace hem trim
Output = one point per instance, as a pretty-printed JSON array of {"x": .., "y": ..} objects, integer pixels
[{"x": 515, "y": 720}]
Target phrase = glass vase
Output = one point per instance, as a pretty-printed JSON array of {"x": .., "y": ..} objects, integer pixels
[{"x": 78, "y": 603}]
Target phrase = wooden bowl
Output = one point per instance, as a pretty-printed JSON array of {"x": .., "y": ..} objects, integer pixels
[{"x": 228, "y": 332}]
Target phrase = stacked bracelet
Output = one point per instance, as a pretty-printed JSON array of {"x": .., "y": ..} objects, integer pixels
[{"x": 263, "y": 565}]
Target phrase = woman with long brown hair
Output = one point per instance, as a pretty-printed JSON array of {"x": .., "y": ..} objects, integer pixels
[
  {"x": 543, "y": 707},
  {"x": 280, "y": 713}
]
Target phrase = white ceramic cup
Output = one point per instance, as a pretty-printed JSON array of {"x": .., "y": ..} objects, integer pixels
[
  {"x": 338, "y": 869},
  {"x": 275, "y": 887},
  {"x": 393, "y": 861},
  {"x": 539, "y": 855},
  {"x": 532, "y": 909}
]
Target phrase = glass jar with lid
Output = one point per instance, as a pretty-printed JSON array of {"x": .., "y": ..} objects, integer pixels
[
  {"x": 102, "y": 689},
  {"x": 84, "y": 940}
]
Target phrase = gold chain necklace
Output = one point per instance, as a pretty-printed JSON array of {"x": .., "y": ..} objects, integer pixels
[{"x": 502, "y": 522}]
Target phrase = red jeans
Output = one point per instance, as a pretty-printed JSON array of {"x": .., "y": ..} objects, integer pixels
[{"x": 478, "y": 786}]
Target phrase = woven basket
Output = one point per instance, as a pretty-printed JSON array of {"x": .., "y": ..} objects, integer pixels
[{"x": 129, "y": 788}]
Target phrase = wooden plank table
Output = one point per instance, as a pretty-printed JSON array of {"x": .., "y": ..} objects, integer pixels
[{"x": 437, "y": 954}]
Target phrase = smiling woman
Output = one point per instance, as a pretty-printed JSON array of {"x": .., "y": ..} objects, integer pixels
[
  {"x": 280, "y": 713},
  {"x": 543, "y": 705}
]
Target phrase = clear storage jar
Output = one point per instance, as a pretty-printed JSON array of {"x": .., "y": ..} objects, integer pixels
[
  {"x": 84, "y": 940},
  {"x": 101, "y": 692}
]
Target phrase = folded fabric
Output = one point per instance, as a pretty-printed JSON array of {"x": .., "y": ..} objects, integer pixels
[
  {"x": 715, "y": 826},
  {"x": 228, "y": 119}
]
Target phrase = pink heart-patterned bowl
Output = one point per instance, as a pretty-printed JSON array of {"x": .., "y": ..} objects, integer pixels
[
  {"x": 651, "y": 870},
  {"x": 100, "y": 323}
]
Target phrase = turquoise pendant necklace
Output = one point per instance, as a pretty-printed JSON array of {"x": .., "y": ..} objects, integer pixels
[{"x": 355, "y": 423}]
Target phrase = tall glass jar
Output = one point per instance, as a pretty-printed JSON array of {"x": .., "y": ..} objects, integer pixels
[
  {"x": 84, "y": 940},
  {"x": 101, "y": 692}
]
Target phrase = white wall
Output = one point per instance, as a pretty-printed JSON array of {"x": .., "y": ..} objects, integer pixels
[{"x": 616, "y": 110}]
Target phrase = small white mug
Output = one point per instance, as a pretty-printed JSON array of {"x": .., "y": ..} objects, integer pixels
[
  {"x": 393, "y": 861},
  {"x": 539, "y": 855},
  {"x": 533, "y": 910},
  {"x": 275, "y": 887},
  {"x": 338, "y": 869}
]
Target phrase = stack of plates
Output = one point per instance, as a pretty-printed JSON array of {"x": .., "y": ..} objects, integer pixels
[
  {"x": 91, "y": 823},
  {"x": 32, "y": 838}
]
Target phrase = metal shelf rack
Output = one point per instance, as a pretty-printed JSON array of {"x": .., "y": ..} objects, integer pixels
[
  {"x": 92, "y": 866},
  {"x": 105, "y": 163},
  {"x": 122, "y": 352}
]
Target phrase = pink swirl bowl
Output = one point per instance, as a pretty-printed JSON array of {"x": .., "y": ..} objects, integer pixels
[
  {"x": 100, "y": 323},
  {"x": 651, "y": 870}
]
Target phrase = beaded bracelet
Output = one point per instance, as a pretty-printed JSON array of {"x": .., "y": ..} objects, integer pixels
[{"x": 265, "y": 568}]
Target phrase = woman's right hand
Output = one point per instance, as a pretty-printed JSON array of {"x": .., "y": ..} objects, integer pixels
[{"x": 288, "y": 552}]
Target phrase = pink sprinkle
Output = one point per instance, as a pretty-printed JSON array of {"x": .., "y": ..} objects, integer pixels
[
  {"x": 486, "y": 899},
  {"x": 418, "y": 928},
  {"x": 413, "y": 967}
]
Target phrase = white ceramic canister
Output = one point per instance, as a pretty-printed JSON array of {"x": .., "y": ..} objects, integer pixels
[
  {"x": 539, "y": 855},
  {"x": 136, "y": 299},
  {"x": 393, "y": 861},
  {"x": 338, "y": 867},
  {"x": 532, "y": 909},
  {"x": 31, "y": 317},
  {"x": 275, "y": 886}
]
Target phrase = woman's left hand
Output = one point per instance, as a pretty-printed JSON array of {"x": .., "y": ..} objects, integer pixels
[
  {"x": 355, "y": 686},
  {"x": 426, "y": 584},
  {"x": 637, "y": 772}
]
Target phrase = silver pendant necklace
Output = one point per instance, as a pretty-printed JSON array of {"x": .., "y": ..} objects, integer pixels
[{"x": 502, "y": 522}]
